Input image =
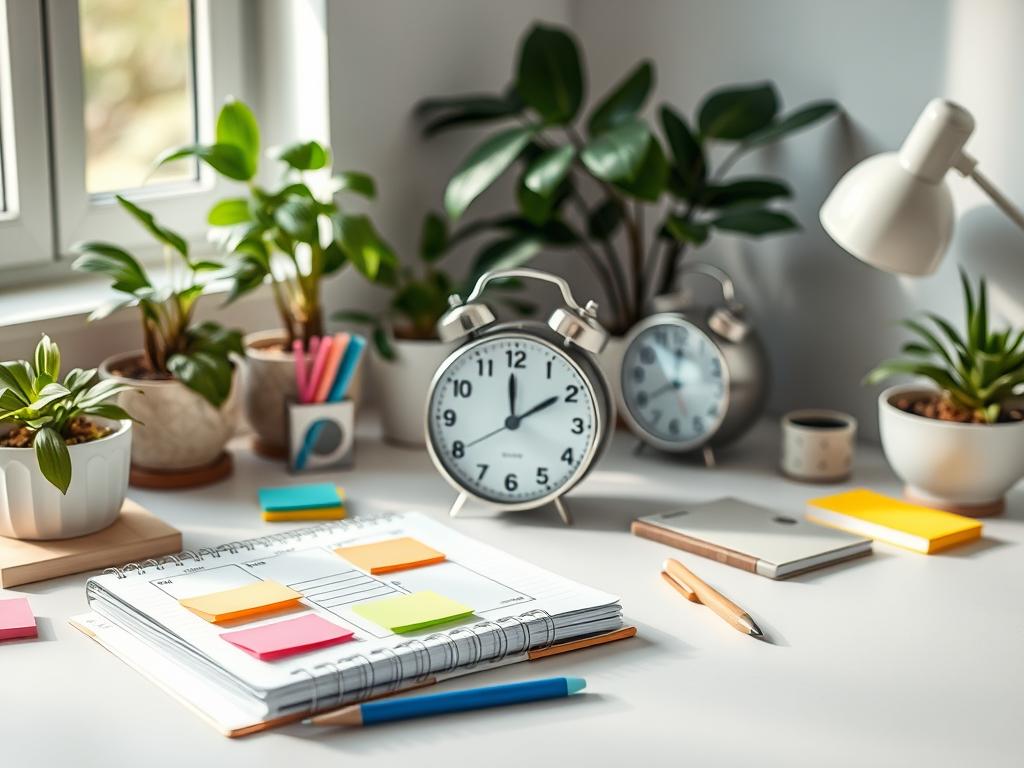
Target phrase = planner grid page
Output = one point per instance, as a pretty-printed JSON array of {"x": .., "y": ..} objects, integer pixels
[{"x": 494, "y": 584}]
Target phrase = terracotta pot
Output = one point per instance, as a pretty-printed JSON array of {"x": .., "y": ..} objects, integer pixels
[
  {"x": 402, "y": 384},
  {"x": 32, "y": 508},
  {"x": 964, "y": 467},
  {"x": 178, "y": 429},
  {"x": 270, "y": 384}
]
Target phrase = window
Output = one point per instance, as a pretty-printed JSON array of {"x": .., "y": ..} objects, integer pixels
[{"x": 91, "y": 91}]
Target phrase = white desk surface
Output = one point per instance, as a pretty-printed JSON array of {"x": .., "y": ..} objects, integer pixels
[{"x": 895, "y": 659}]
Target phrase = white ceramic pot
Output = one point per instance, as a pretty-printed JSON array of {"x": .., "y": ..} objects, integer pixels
[
  {"x": 610, "y": 361},
  {"x": 269, "y": 385},
  {"x": 401, "y": 387},
  {"x": 177, "y": 429},
  {"x": 32, "y": 508},
  {"x": 964, "y": 467}
]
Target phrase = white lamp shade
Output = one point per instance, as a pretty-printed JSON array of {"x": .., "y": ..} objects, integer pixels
[{"x": 889, "y": 217}]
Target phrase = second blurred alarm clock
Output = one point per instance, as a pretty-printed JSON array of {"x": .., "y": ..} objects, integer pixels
[{"x": 694, "y": 377}]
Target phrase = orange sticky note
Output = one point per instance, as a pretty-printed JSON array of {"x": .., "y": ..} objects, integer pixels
[
  {"x": 261, "y": 597},
  {"x": 391, "y": 555}
]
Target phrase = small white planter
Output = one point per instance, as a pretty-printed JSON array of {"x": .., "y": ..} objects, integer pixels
[
  {"x": 401, "y": 387},
  {"x": 269, "y": 385},
  {"x": 178, "y": 430},
  {"x": 964, "y": 467},
  {"x": 32, "y": 508}
]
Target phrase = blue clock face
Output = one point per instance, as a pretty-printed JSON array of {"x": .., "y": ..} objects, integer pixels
[{"x": 675, "y": 384}]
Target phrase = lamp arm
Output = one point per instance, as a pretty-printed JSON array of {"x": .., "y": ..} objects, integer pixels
[{"x": 970, "y": 169}]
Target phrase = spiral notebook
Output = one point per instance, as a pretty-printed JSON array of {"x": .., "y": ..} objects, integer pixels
[{"x": 518, "y": 612}]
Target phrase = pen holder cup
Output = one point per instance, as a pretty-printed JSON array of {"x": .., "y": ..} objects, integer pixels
[{"x": 321, "y": 436}]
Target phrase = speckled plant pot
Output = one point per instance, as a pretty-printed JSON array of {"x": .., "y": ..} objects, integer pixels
[
  {"x": 269, "y": 385},
  {"x": 32, "y": 508},
  {"x": 178, "y": 430}
]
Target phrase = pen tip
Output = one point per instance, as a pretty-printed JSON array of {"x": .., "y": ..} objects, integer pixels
[
  {"x": 307, "y": 721},
  {"x": 575, "y": 684}
]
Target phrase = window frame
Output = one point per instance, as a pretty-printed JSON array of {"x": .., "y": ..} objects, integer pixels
[
  {"x": 182, "y": 206},
  {"x": 26, "y": 227}
]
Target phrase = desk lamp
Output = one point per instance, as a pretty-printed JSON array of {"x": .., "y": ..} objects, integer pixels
[{"x": 894, "y": 210}]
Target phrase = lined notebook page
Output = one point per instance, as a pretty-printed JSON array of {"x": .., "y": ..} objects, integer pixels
[{"x": 493, "y": 583}]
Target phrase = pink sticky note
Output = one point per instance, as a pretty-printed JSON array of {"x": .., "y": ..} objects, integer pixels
[
  {"x": 16, "y": 619},
  {"x": 284, "y": 638}
]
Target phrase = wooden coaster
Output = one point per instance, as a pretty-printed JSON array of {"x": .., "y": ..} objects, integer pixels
[
  {"x": 160, "y": 479},
  {"x": 268, "y": 451},
  {"x": 967, "y": 510}
]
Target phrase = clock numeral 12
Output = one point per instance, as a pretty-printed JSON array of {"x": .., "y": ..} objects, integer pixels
[{"x": 516, "y": 358}]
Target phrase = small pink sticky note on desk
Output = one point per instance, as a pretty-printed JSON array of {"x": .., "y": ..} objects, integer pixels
[
  {"x": 16, "y": 619},
  {"x": 284, "y": 638}
]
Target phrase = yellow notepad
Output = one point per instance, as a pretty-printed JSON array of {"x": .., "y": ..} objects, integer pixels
[
  {"x": 893, "y": 521},
  {"x": 260, "y": 597}
]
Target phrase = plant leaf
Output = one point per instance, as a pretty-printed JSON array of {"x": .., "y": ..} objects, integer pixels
[
  {"x": 617, "y": 154},
  {"x": 117, "y": 264},
  {"x": 485, "y": 164},
  {"x": 47, "y": 358},
  {"x": 743, "y": 191},
  {"x": 467, "y": 110},
  {"x": 550, "y": 79},
  {"x": 690, "y": 165},
  {"x": 625, "y": 100},
  {"x": 227, "y": 159},
  {"x": 53, "y": 457},
  {"x": 794, "y": 121},
  {"x": 237, "y": 127},
  {"x": 297, "y": 216},
  {"x": 207, "y": 375},
  {"x": 433, "y": 237},
  {"x": 651, "y": 178},
  {"x": 383, "y": 343},
  {"x": 148, "y": 221},
  {"x": 229, "y": 211},
  {"x": 755, "y": 222},
  {"x": 506, "y": 253},
  {"x": 683, "y": 231},
  {"x": 354, "y": 181},
  {"x": 734, "y": 113},
  {"x": 549, "y": 170},
  {"x": 364, "y": 247},
  {"x": 110, "y": 411},
  {"x": 303, "y": 155}
]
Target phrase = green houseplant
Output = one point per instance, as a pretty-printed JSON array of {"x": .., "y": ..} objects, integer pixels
[
  {"x": 181, "y": 379},
  {"x": 592, "y": 187},
  {"x": 958, "y": 443},
  {"x": 54, "y": 428},
  {"x": 290, "y": 234}
]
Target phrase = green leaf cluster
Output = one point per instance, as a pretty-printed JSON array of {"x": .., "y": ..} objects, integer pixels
[
  {"x": 198, "y": 356},
  {"x": 979, "y": 369},
  {"x": 32, "y": 395},
  {"x": 283, "y": 234},
  {"x": 585, "y": 175}
]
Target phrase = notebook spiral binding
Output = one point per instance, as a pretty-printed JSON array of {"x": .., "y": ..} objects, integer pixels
[
  {"x": 418, "y": 652},
  {"x": 267, "y": 542}
]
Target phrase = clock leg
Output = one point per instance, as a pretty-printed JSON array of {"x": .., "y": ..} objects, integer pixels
[
  {"x": 709, "y": 457},
  {"x": 458, "y": 504},
  {"x": 563, "y": 512}
]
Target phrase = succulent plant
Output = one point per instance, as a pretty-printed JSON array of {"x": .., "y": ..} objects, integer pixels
[
  {"x": 32, "y": 396},
  {"x": 978, "y": 370}
]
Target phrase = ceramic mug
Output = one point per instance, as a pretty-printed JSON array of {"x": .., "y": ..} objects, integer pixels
[{"x": 817, "y": 445}]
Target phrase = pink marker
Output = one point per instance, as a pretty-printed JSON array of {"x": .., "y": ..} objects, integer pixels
[
  {"x": 319, "y": 365},
  {"x": 300, "y": 369}
]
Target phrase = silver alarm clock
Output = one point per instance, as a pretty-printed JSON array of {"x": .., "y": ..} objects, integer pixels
[
  {"x": 694, "y": 377},
  {"x": 519, "y": 413}
]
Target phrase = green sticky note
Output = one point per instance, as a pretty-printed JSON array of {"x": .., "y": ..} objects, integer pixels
[{"x": 411, "y": 612}]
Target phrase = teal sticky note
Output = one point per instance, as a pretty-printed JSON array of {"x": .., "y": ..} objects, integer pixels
[{"x": 309, "y": 496}]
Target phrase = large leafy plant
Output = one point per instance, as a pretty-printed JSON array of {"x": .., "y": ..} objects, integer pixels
[
  {"x": 285, "y": 235},
  {"x": 978, "y": 370},
  {"x": 420, "y": 293},
  {"x": 198, "y": 355},
  {"x": 589, "y": 187},
  {"x": 32, "y": 396}
]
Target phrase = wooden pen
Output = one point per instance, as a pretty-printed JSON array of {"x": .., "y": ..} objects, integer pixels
[{"x": 692, "y": 588}]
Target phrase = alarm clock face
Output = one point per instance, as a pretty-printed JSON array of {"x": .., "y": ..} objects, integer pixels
[
  {"x": 674, "y": 384},
  {"x": 512, "y": 420}
]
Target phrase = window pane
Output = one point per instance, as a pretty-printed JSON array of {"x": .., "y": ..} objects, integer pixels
[{"x": 138, "y": 87}]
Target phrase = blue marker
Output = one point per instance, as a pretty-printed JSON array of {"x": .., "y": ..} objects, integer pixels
[{"x": 455, "y": 701}]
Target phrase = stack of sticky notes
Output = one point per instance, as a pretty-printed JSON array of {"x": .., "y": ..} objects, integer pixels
[
  {"x": 312, "y": 501},
  {"x": 249, "y": 600},
  {"x": 16, "y": 619},
  {"x": 893, "y": 521},
  {"x": 288, "y": 637}
]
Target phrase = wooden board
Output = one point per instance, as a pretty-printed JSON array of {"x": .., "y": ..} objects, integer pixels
[{"x": 136, "y": 536}]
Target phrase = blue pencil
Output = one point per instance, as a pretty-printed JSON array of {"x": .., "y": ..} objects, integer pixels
[{"x": 375, "y": 712}]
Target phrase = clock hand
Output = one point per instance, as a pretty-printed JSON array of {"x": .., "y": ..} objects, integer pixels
[
  {"x": 539, "y": 407},
  {"x": 492, "y": 433},
  {"x": 512, "y": 422},
  {"x": 512, "y": 395},
  {"x": 661, "y": 391}
]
